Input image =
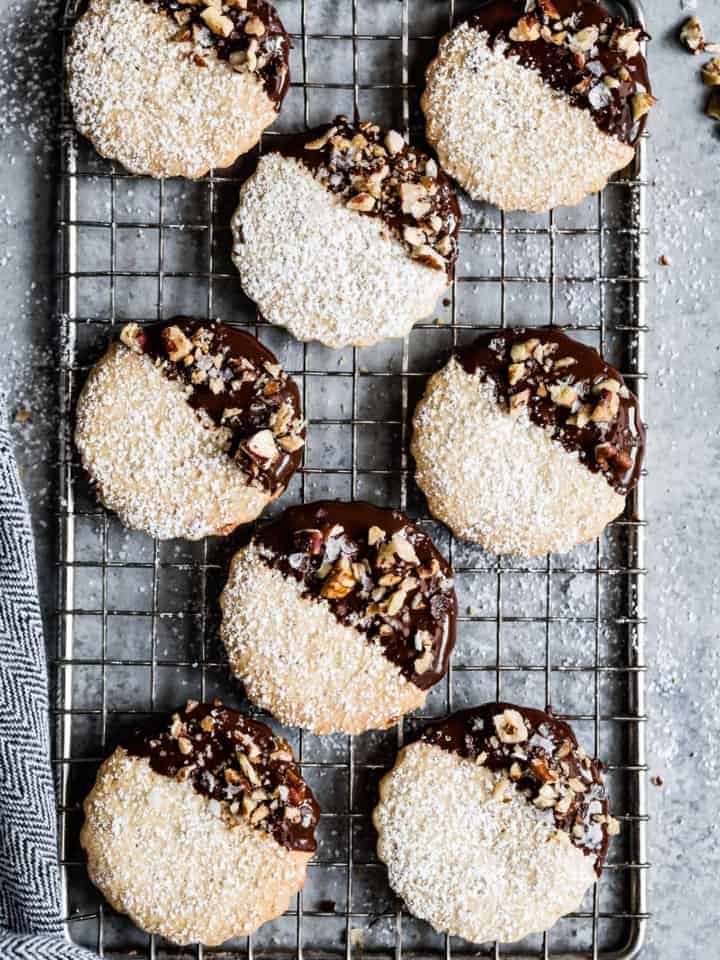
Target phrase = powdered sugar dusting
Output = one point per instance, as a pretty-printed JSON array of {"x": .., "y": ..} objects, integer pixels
[
  {"x": 165, "y": 854},
  {"x": 499, "y": 480},
  {"x": 140, "y": 96},
  {"x": 299, "y": 662},
  {"x": 325, "y": 272},
  {"x": 472, "y": 864},
  {"x": 505, "y": 135},
  {"x": 155, "y": 461}
]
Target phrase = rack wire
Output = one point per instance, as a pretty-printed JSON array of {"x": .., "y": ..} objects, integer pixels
[{"x": 137, "y": 619}]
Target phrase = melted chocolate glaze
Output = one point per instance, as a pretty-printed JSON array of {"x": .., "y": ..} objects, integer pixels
[
  {"x": 312, "y": 543},
  {"x": 547, "y": 757},
  {"x": 229, "y": 757},
  {"x": 581, "y": 77},
  {"x": 613, "y": 448},
  {"x": 254, "y": 389},
  {"x": 273, "y": 47},
  {"x": 340, "y": 167}
]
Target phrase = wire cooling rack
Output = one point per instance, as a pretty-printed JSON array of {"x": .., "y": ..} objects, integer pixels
[{"x": 137, "y": 619}]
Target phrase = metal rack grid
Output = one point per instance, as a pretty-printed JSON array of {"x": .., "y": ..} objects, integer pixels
[{"x": 137, "y": 619}]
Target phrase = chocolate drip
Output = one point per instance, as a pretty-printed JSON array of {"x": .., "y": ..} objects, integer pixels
[
  {"x": 540, "y": 755},
  {"x": 232, "y": 759},
  {"x": 266, "y": 55},
  {"x": 564, "y": 66},
  {"x": 568, "y": 388},
  {"x": 239, "y": 384},
  {"x": 348, "y": 158},
  {"x": 378, "y": 572}
]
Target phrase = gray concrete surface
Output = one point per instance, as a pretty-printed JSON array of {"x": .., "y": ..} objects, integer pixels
[{"x": 683, "y": 482}]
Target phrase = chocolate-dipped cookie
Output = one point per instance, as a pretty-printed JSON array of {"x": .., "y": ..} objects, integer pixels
[
  {"x": 533, "y": 105},
  {"x": 519, "y": 823},
  {"x": 200, "y": 826},
  {"x": 527, "y": 442},
  {"x": 188, "y": 428},
  {"x": 347, "y": 235},
  {"x": 339, "y": 616},
  {"x": 174, "y": 87}
]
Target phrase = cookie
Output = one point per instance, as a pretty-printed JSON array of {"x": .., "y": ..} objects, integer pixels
[
  {"x": 175, "y": 87},
  {"x": 188, "y": 428},
  {"x": 527, "y": 442},
  {"x": 348, "y": 236},
  {"x": 200, "y": 827},
  {"x": 339, "y": 617},
  {"x": 535, "y": 105},
  {"x": 494, "y": 824}
]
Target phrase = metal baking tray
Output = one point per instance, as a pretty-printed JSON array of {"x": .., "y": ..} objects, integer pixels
[{"x": 137, "y": 619}]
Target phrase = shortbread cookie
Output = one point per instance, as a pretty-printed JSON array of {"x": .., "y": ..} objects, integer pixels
[
  {"x": 201, "y": 826},
  {"x": 527, "y": 442},
  {"x": 339, "y": 617},
  {"x": 494, "y": 824},
  {"x": 348, "y": 236},
  {"x": 188, "y": 428},
  {"x": 174, "y": 87},
  {"x": 532, "y": 105}
]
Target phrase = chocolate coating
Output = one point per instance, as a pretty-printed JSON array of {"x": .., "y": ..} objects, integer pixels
[
  {"x": 231, "y": 758},
  {"x": 272, "y": 48},
  {"x": 347, "y": 170},
  {"x": 578, "y": 74},
  {"x": 238, "y": 383},
  {"x": 548, "y": 758},
  {"x": 613, "y": 446},
  {"x": 319, "y": 542}
]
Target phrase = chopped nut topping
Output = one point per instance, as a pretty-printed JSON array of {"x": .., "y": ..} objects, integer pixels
[
  {"x": 563, "y": 394},
  {"x": 255, "y": 27},
  {"x": 713, "y": 105},
  {"x": 585, "y": 39},
  {"x": 641, "y": 104},
  {"x": 379, "y": 174},
  {"x": 375, "y": 535},
  {"x": 523, "y": 351},
  {"x": 593, "y": 79},
  {"x": 176, "y": 343},
  {"x": 510, "y": 727},
  {"x": 711, "y": 72},
  {"x": 222, "y": 26},
  {"x": 566, "y": 388},
  {"x": 518, "y": 401},
  {"x": 501, "y": 788},
  {"x": 388, "y": 583},
  {"x": 394, "y": 142},
  {"x": 133, "y": 337},
  {"x": 339, "y": 584},
  {"x": 569, "y": 791},
  {"x": 361, "y": 201},
  {"x": 692, "y": 35},
  {"x": 526, "y": 30},
  {"x": 261, "y": 446}
]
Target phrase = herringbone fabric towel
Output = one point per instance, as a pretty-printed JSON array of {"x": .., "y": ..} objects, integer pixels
[{"x": 30, "y": 921}]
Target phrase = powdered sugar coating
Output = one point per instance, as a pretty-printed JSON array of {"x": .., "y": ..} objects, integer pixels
[
  {"x": 506, "y": 136},
  {"x": 299, "y": 662},
  {"x": 502, "y": 481},
  {"x": 159, "y": 464},
  {"x": 140, "y": 97},
  {"x": 323, "y": 271},
  {"x": 474, "y": 865},
  {"x": 164, "y": 854}
]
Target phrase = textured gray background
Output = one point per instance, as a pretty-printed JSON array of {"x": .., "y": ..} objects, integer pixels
[{"x": 683, "y": 362}]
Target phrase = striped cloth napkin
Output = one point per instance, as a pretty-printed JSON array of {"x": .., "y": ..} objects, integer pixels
[{"x": 30, "y": 904}]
